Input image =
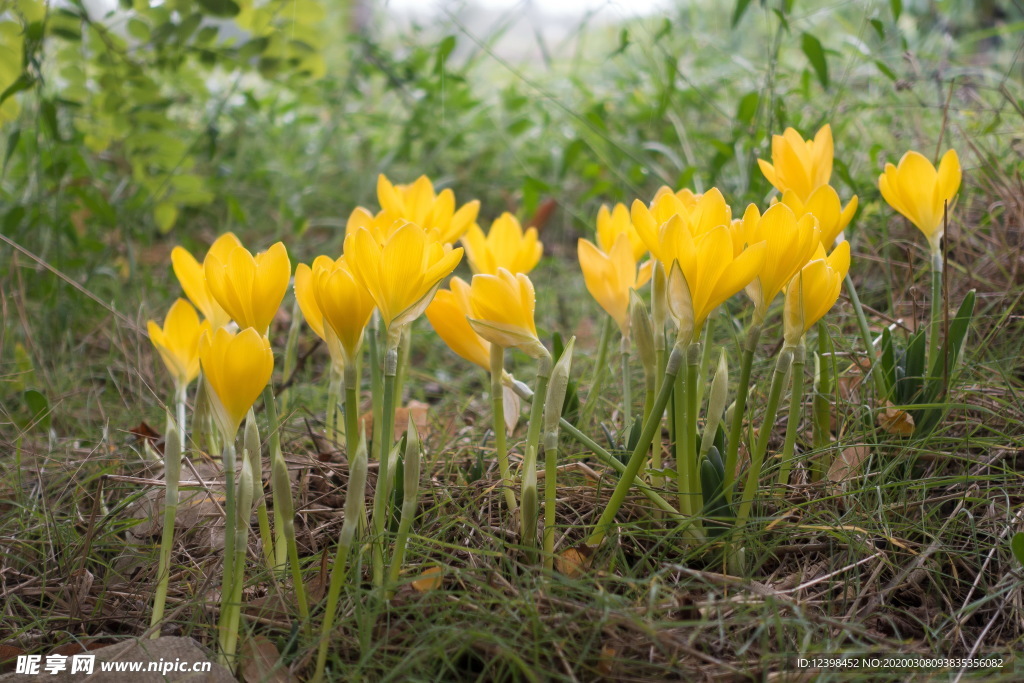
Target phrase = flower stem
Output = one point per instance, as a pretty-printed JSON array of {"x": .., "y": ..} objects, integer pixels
[
  {"x": 793, "y": 421},
  {"x": 277, "y": 494},
  {"x": 822, "y": 401},
  {"x": 382, "y": 491},
  {"x": 500, "y": 439},
  {"x": 376, "y": 387},
  {"x": 732, "y": 448},
  {"x": 243, "y": 512},
  {"x": 639, "y": 454},
  {"x": 227, "y": 579},
  {"x": 935, "y": 323},
  {"x": 291, "y": 352},
  {"x": 333, "y": 396},
  {"x": 692, "y": 489},
  {"x": 529, "y": 511},
  {"x": 627, "y": 385},
  {"x": 172, "y": 472},
  {"x": 865, "y": 337},
  {"x": 410, "y": 504},
  {"x": 354, "y": 499},
  {"x": 597, "y": 378}
]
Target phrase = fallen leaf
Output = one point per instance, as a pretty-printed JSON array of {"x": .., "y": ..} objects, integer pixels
[
  {"x": 895, "y": 421},
  {"x": 259, "y": 662},
  {"x": 573, "y": 562},
  {"x": 143, "y": 432},
  {"x": 429, "y": 580},
  {"x": 8, "y": 657},
  {"x": 417, "y": 410},
  {"x": 848, "y": 463},
  {"x": 606, "y": 660},
  {"x": 512, "y": 407}
]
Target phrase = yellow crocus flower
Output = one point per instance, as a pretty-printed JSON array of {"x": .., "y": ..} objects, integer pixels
[
  {"x": 611, "y": 276},
  {"x": 503, "y": 307},
  {"x": 403, "y": 273},
  {"x": 418, "y": 203},
  {"x": 192, "y": 276},
  {"x": 789, "y": 244},
  {"x": 306, "y": 296},
  {"x": 800, "y": 165},
  {"x": 701, "y": 213},
  {"x": 236, "y": 368},
  {"x": 920, "y": 192},
  {"x": 345, "y": 304},
  {"x": 705, "y": 272},
  {"x": 814, "y": 291},
  {"x": 250, "y": 288},
  {"x": 824, "y": 205},
  {"x": 505, "y": 246},
  {"x": 448, "y": 314},
  {"x": 178, "y": 342},
  {"x": 614, "y": 222}
]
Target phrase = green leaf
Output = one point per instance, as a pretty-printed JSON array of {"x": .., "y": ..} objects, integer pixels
[
  {"x": 884, "y": 68},
  {"x": 38, "y": 410},
  {"x": 444, "y": 48},
  {"x": 737, "y": 13},
  {"x": 957, "y": 334},
  {"x": 816, "y": 56},
  {"x": 24, "y": 82},
  {"x": 1017, "y": 546},
  {"x": 887, "y": 362},
  {"x": 220, "y": 8},
  {"x": 12, "y": 144},
  {"x": 166, "y": 215},
  {"x": 897, "y": 9},
  {"x": 747, "y": 109}
]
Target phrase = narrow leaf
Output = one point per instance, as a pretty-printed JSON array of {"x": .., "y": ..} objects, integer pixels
[{"x": 816, "y": 56}]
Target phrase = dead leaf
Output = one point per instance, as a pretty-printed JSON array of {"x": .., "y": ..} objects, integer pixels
[
  {"x": 259, "y": 659},
  {"x": 417, "y": 410},
  {"x": 849, "y": 387},
  {"x": 512, "y": 407},
  {"x": 543, "y": 214},
  {"x": 429, "y": 580},
  {"x": 143, "y": 432},
  {"x": 606, "y": 660},
  {"x": 895, "y": 421},
  {"x": 8, "y": 657},
  {"x": 573, "y": 562},
  {"x": 848, "y": 463}
]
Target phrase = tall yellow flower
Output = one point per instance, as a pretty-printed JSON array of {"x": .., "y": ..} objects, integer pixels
[
  {"x": 306, "y": 296},
  {"x": 345, "y": 304},
  {"x": 418, "y": 203},
  {"x": 505, "y": 246},
  {"x": 700, "y": 213},
  {"x": 800, "y": 165},
  {"x": 919, "y": 191},
  {"x": 236, "y": 368},
  {"x": 789, "y": 243},
  {"x": 503, "y": 307},
  {"x": 614, "y": 222},
  {"x": 192, "y": 276},
  {"x": 178, "y": 342},
  {"x": 448, "y": 314},
  {"x": 705, "y": 272},
  {"x": 250, "y": 288},
  {"x": 611, "y": 276},
  {"x": 814, "y": 290},
  {"x": 824, "y": 205},
  {"x": 403, "y": 273}
]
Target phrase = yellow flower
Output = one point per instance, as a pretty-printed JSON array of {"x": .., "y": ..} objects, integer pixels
[
  {"x": 345, "y": 304},
  {"x": 610, "y": 277},
  {"x": 700, "y": 213},
  {"x": 192, "y": 277},
  {"x": 824, "y": 205},
  {"x": 919, "y": 192},
  {"x": 502, "y": 307},
  {"x": 236, "y": 368},
  {"x": 800, "y": 165},
  {"x": 250, "y": 288},
  {"x": 417, "y": 203},
  {"x": 505, "y": 246},
  {"x": 705, "y": 272},
  {"x": 403, "y": 273},
  {"x": 789, "y": 244},
  {"x": 305, "y": 295},
  {"x": 814, "y": 291},
  {"x": 178, "y": 342},
  {"x": 448, "y": 315},
  {"x": 615, "y": 222}
]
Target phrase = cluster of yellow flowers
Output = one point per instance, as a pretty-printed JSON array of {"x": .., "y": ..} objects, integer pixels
[{"x": 394, "y": 262}]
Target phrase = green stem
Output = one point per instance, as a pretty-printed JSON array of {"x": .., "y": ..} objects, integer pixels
[
  {"x": 277, "y": 494},
  {"x": 782, "y": 367},
  {"x": 678, "y": 410},
  {"x": 692, "y": 488},
  {"x": 821, "y": 404},
  {"x": 354, "y": 498},
  {"x": 280, "y": 479},
  {"x": 243, "y": 510},
  {"x": 376, "y": 387},
  {"x": 607, "y": 519},
  {"x": 793, "y": 421},
  {"x": 410, "y": 504},
  {"x": 732, "y": 448},
  {"x": 382, "y": 492},
  {"x": 935, "y": 324},
  {"x": 627, "y": 386},
  {"x": 866, "y": 339},
  {"x": 500, "y": 439},
  {"x": 291, "y": 352},
  {"x": 550, "y": 484},
  {"x": 597, "y": 378},
  {"x": 227, "y": 580},
  {"x": 172, "y": 472},
  {"x": 529, "y": 511},
  {"x": 333, "y": 398}
]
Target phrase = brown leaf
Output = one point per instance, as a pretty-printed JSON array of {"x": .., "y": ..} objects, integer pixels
[
  {"x": 143, "y": 432},
  {"x": 895, "y": 421},
  {"x": 542, "y": 214},
  {"x": 429, "y": 580},
  {"x": 573, "y": 562},
  {"x": 417, "y": 410},
  {"x": 848, "y": 463},
  {"x": 606, "y": 660},
  {"x": 8, "y": 657},
  {"x": 259, "y": 657},
  {"x": 512, "y": 407}
]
